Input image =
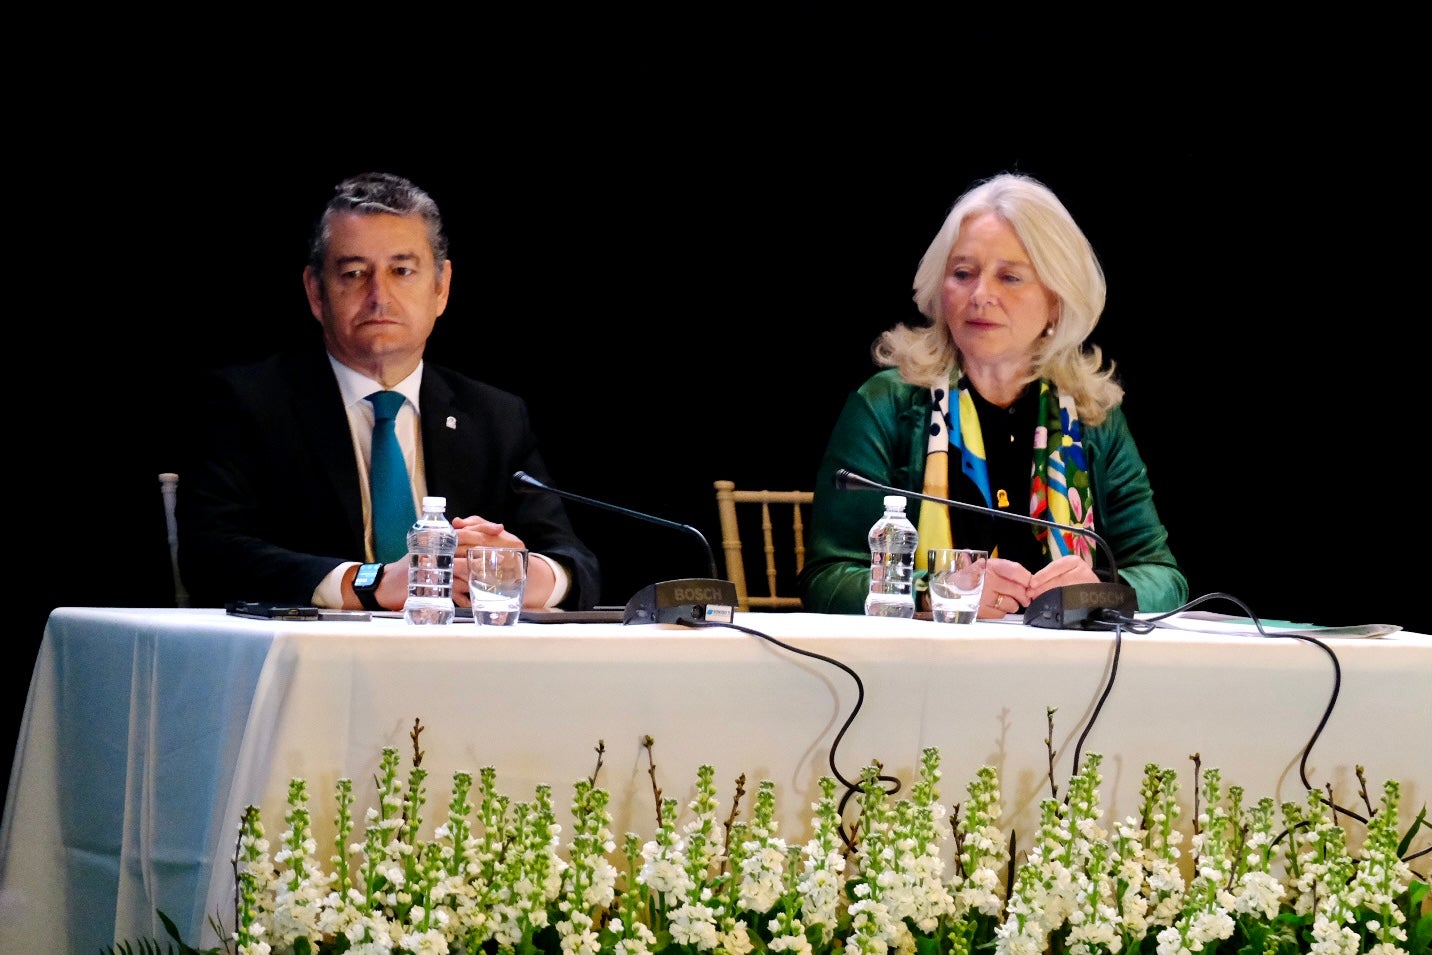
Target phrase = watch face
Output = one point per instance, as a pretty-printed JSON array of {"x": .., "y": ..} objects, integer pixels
[{"x": 367, "y": 575}]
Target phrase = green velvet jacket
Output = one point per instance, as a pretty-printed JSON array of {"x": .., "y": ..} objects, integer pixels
[{"x": 881, "y": 434}]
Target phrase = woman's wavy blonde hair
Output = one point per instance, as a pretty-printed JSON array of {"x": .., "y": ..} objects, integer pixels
[{"x": 1066, "y": 265}]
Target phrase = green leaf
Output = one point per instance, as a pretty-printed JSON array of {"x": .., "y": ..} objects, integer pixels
[
  {"x": 184, "y": 948},
  {"x": 1407, "y": 837},
  {"x": 147, "y": 946},
  {"x": 1419, "y": 933}
]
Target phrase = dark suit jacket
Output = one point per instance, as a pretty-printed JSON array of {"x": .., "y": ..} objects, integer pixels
[{"x": 270, "y": 504}]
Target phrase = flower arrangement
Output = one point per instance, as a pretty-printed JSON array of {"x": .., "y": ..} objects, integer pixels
[{"x": 495, "y": 876}]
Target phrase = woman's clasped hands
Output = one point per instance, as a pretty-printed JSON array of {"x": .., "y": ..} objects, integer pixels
[{"x": 1009, "y": 586}]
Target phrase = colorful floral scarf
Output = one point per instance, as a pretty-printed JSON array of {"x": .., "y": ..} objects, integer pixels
[{"x": 1059, "y": 489}]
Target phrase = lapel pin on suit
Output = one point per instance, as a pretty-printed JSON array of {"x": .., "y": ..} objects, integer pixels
[{"x": 452, "y": 423}]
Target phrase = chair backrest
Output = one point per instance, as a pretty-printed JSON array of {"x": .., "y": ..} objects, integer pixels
[
  {"x": 169, "y": 488},
  {"x": 775, "y": 597}
]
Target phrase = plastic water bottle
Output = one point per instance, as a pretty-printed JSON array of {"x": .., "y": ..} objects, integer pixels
[
  {"x": 892, "y": 563},
  {"x": 432, "y": 548}
]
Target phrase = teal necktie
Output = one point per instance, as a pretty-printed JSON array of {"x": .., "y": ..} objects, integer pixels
[{"x": 393, "y": 513}]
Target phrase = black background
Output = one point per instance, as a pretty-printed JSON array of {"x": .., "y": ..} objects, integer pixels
[{"x": 683, "y": 277}]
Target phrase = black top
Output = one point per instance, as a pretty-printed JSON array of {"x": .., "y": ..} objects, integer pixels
[{"x": 1009, "y": 455}]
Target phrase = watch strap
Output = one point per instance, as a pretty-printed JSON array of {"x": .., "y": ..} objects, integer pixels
[{"x": 367, "y": 595}]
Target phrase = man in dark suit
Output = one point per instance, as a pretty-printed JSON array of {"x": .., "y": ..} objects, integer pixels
[{"x": 277, "y": 505}]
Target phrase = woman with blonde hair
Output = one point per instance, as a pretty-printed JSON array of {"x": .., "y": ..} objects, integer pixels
[{"x": 996, "y": 401}]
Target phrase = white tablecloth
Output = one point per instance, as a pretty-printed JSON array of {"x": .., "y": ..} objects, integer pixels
[{"x": 148, "y": 732}]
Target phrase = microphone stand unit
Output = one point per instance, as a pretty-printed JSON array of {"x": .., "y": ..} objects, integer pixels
[{"x": 689, "y": 599}]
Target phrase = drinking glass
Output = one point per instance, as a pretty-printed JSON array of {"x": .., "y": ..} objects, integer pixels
[
  {"x": 956, "y": 582},
  {"x": 497, "y": 579}
]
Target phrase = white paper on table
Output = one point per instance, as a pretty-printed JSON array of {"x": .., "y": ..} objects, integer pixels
[{"x": 1205, "y": 621}]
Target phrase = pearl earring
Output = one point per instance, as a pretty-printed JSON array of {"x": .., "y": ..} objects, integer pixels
[{"x": 1048, "y": 330}]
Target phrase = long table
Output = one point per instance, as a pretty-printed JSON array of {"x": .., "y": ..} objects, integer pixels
[{"x": 147, "y": 732}]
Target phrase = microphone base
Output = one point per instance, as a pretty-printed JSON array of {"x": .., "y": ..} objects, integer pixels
[
  {"x": 693, "y": 599},
  {"x": 1082, "y": 607}
]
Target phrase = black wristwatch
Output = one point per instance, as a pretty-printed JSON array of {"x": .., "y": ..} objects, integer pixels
[{"x": 365, "y": 585}]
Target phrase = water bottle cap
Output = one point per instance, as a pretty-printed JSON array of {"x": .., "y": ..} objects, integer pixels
[
  {"x": 434, "y": 503},
  {"x": 895, "y": 501}
]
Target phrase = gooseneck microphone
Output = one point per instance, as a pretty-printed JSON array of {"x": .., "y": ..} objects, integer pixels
[
  {"x": 668, "y": 601},
  {"x": 1071, "y": 607},
  {"x": 524, "y": 483}
]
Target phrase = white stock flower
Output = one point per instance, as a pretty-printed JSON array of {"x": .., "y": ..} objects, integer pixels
[
  {"x": 425, "y": 943},
  {"x": 694, "y": 924},
  {"x": 1259, "y": 893}
]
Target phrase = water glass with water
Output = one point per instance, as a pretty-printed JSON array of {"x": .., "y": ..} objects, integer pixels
[
  {"x": 956, "y": 582},
  {"x": 497, "y": 580}
]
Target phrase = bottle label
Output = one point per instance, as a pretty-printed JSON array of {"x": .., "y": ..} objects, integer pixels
[
  {"x": 891, "y": 573},
  {"x": 430, "y": 575}
]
